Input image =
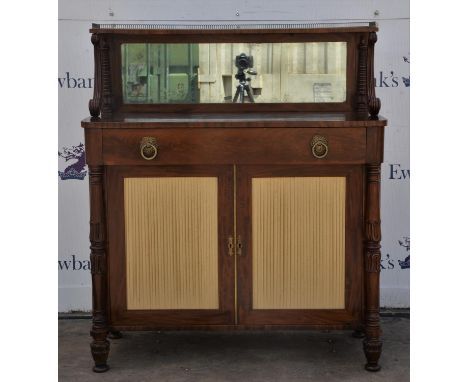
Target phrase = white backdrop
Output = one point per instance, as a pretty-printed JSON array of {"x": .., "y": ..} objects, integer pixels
[{"x": 75, "y": 82}]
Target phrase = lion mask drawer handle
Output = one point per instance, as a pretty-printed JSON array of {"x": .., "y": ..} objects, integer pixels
[
  {"x": 319, "y": 145},
  {"x": 148, "y": 148}
]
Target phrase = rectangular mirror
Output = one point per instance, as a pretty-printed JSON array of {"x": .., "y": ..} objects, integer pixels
[{"x": 313, "y": 72}]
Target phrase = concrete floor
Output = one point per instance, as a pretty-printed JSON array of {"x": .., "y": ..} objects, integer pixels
[{"x": 234, "y": 356}]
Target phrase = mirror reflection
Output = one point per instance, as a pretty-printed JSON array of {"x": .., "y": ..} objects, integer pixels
[{"x": 234, "y": 72}]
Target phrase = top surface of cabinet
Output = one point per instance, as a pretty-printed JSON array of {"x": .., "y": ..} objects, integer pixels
[
  {"x": 233, "y": 68},
  {"x": 240, "y": 120}
]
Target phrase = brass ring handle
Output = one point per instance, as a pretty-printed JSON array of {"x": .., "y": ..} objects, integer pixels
[
  {"x": 148, "y": 148},
  {"x": 319, "y": 146}
]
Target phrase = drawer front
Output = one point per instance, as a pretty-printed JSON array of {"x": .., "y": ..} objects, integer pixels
[{"x": 236, "y": 146}]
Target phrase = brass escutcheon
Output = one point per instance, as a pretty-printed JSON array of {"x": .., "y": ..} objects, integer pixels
[
  {"x": 148, "y": 148},
  {"x": 239, "y": 246},
  {"x": 231, "y": 246},
  {"x": 319, "y": 145}
]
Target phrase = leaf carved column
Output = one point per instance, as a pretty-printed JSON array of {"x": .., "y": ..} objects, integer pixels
[
  {"x": 372, "y": 343},
  {"x": 97, "y": 236}
]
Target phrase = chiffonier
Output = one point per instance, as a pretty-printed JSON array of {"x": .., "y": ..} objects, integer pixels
[{"x": 234, "y": 179}]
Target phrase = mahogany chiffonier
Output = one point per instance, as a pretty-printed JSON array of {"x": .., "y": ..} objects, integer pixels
[{"x": 234, "y": 179}]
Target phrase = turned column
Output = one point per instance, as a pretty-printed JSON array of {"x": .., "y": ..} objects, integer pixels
[
  {"x": 94, "y": 104},
  {"x": 372, "y": 343},
  {"x": 373, "y": 101},
  {"x": 97, "y": 236}
]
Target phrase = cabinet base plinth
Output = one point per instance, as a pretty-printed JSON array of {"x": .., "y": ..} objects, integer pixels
[
  {"x": 115, "y": 335},
  {"x": 358, "y": 333}
]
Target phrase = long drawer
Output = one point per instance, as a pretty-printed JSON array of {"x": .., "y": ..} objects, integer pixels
[{"x": 234, "y": 146}]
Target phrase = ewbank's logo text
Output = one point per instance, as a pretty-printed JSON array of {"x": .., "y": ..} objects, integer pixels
[
  {"x": 397, "y": 172},
  {"x": 391, "y": 80},
  {"x": 71, "y": 82},
  {"x": 74, "y": 265}
]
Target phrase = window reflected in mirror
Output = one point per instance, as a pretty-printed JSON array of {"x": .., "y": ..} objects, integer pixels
[{"x": 312, "y": 72}]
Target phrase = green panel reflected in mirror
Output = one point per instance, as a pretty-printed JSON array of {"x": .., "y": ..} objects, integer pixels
[{"x": 312, "y": 72}]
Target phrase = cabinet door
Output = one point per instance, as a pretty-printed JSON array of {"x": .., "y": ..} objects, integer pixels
[
  {"x": 300, "y": 229},
  {"x": 169, "y": 229}
]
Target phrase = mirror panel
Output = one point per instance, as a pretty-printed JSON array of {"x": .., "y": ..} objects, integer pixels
[{"x": 313, "y": 72}]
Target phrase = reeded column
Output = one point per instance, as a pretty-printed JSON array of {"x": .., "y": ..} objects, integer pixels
[
  {"x": 361, "y": 107},
  {"x": 106, "y": 82},
  {"x": 372, "y": 343},
  {"x": 97, "y": 237}
]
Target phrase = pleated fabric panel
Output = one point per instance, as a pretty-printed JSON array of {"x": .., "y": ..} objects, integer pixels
[
  {"x": 298, "y": 232},
  {"x": 171, "y": 236}
]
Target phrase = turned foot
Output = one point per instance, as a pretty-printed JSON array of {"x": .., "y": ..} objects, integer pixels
[
  {"x": 372, "y": 349},
  {"x": 100, "y": 352},
  {"x": 114, "y": 335}
]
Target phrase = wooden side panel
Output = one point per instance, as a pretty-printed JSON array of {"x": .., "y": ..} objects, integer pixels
[
  {"x": 298, "y": 242},
  {"x": 171, "y": 235}
]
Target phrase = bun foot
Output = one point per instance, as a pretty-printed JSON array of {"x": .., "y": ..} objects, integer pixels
[
  {"x": 370, "y": 367},
  {"x": 100, "y": 352},
  {"x": 100, "y": 368},
  {"x": 372, "y": 349},
  {"x": 114, "y": 335}
]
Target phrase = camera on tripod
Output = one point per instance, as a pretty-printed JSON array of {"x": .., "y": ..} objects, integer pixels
[{"x": 244, "y": 63}]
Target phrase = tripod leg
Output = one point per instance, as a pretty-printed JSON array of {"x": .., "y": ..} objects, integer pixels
[
  {"x": 242, "y": 95},
  {"x": 236, "y": 96},
  {"x": 249, "y": 93}
]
